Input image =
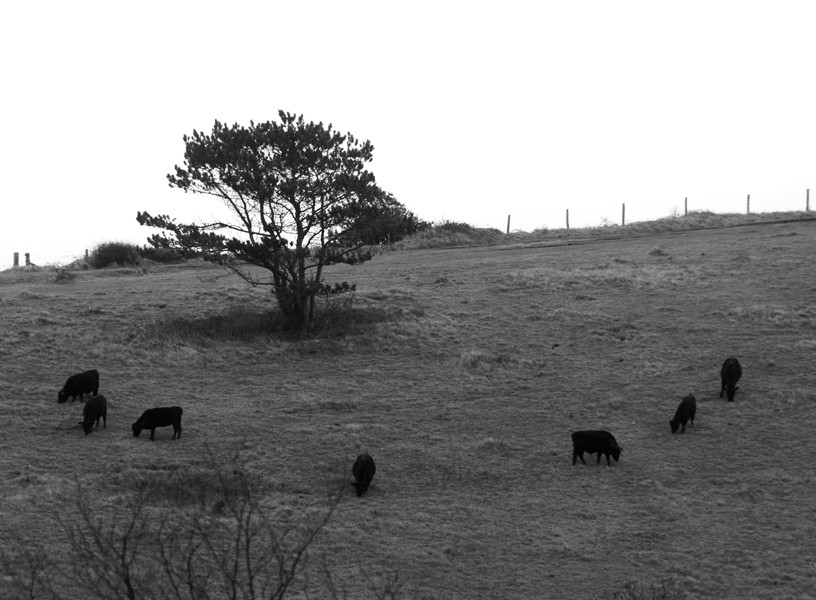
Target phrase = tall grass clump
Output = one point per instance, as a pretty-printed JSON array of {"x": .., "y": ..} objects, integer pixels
[
  {"x": 108, "y": 254},
  {"x": 451, "y": 233}
]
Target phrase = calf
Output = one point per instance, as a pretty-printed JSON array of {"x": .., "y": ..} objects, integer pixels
[
  {"x": 80, "y": 384},
  {"x": 159, "y": 417},
  {"x": 96, "y": 408},
  {"x": 591, "y": 442},
  {"x": 730, "y": 374},
  {"x": 685, "y": 413},
  {"x": 363, "y": 471}
]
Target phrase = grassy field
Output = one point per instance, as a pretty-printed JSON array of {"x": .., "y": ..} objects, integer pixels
[{"x": 463, "y": 373}]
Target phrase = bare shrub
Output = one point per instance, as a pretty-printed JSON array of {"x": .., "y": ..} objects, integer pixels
[
  {"x": 159, "y": 544},
  {"x": 29, "y": 570}
]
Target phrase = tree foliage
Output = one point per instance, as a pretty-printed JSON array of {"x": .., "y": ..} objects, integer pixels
[
  {"x": 385, "y": 221},
  {"x": 300, "y": 199}
]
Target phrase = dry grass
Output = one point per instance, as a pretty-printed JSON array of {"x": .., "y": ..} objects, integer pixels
[
  {"x": 441, "y": 238},
  {"x": 463, "y": 373}
]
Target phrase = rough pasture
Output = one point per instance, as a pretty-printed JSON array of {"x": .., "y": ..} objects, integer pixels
[{"x": 463, "y": 371}]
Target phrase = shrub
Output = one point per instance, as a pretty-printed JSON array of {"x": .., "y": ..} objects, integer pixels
[
  {"x": 455, "y": 227},
  {"x": 239, "y": 547},
  {"x": 114, "y": 253},
  {"x": 161, "y": 255}
]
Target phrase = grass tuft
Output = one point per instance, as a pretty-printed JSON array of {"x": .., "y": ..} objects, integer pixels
[
  {"x": 780, "y": 316},
  {"x": 637, "y": 590},
  {"x": 185, "y": 486}
]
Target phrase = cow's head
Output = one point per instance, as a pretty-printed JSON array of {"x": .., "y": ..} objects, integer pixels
[
  {"x": 730, "y": 391},
  {"x": 61, "y": 396},
  {"x": 617, "y": 452},
  {"x": 136, "y": 429},
  {"x": 674, "y": 425},
  {"x": 87, "y": 426},
  {"x": 360, "y": 487}
]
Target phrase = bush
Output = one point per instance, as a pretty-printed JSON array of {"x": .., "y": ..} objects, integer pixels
[
  {"x": 120, "y": 254},
  {"x": 161, "y": 255},
  {"x": 455, "y": 227}
]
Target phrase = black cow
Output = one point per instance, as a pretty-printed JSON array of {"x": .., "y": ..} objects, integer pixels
[
  {"x": 363, "y": 471},
  {"x": 159, "y": 417},
  {"x": 79, "y": 385},
  {"x": 591, "y": 442},
  {"x": 685, "y": 413},
  {"x": 96, "y": 408},
  {"x": 730, "y": 374}
]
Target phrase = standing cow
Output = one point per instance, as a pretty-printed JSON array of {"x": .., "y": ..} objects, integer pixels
[
  {"x": 363, "y": 471},
  {"x": 730, "y": 374},
  {"x": 80, "y": 384},
  {"x": 95, "y": 409},
  {"x": 159, "y": 417},
  {"x": 685, "y": 413},
  {"x": 591, "y": 442}
]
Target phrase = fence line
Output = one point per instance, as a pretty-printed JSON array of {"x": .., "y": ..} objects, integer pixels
[
  {"x": 569, "y": 218},
  {"x": 553, "y": 220}
]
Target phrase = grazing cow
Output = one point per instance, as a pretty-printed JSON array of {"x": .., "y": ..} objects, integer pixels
[
  {"x": 730, "y": 374},
  {"x": 363, "y": 471},
  {"x": 685, "y": 413},
  {"x": 591, "y": 442},
  {"x": 96, "y": 408},
  {"x": 79, "y": 385},
  {"x": 159, "y": 417}
]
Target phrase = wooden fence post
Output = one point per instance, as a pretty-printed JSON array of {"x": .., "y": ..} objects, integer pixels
[
  {"x": 86, "y": 255},
  {"x": 567, "y": 218},
  {"x": 623, "y": 214},
  {"x": 16, "y": 259},
  {"x": 508, "y": 223},
  {"x": 28, "y": 259},
  {"x": 685, "y": 207},
  {"x": 748, "y": 205},
  {"x": 807, "y": 200}
]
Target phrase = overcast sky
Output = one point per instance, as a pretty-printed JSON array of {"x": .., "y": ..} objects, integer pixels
[{"x": 476, "y": 110}]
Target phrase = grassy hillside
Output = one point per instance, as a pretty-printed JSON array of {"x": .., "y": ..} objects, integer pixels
[{"x": 463, "y": 373}]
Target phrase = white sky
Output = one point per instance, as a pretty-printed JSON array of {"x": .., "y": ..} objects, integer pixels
[{"x": 476, "y": 110}]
